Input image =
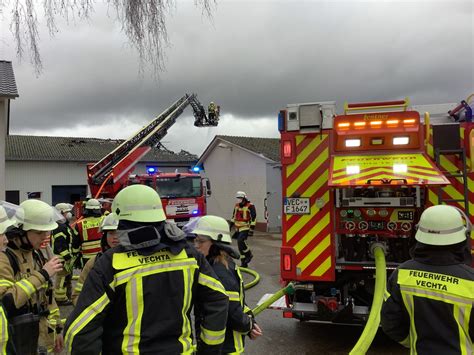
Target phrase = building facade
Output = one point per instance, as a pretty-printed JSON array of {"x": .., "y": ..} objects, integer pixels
[{"x": 245, "y": 164}]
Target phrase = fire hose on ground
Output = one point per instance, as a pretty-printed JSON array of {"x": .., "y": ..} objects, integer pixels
[{"x": 373, "y": 322}]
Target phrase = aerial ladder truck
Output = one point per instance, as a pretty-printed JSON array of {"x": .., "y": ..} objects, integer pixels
[{"x": 109, "y": 175}]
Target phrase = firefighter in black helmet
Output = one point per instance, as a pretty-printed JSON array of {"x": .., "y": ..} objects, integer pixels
[
  {"x": 429, "y": 299},
  {"x": 139, "y": 295}
]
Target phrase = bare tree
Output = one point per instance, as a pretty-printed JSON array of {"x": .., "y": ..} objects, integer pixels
[{"x": 143, "y": 22}]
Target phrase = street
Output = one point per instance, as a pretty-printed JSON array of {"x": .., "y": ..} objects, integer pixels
[{"x": 285, "y": 336}]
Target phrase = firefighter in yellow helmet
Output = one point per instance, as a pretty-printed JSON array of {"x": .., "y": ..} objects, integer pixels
[
  {"x": 214, "y": 242},
  {"x": 429, "y": 300},
  {"x": 244, "y": 219},
  {"x": 65, "y": 242},
  {"x": 109, "y": 240},
  {"x": 139, "y": 295},
  {"x": 26, "y": 280}
]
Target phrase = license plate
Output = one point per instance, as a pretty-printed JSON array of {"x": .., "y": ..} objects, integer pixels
[{"x": 294, "y": 205}]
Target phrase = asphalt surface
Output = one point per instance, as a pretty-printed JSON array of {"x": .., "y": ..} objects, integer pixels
[{"x": 286, "y": 336}]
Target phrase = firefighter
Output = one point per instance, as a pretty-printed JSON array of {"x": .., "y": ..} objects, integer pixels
[
  {"x": 428, "y": 307},
  {"x": 214, "y": 242},
  {"x": 5, "y": 344},
  {"x": 109, "y": 240},
  {"x": 244, "y": 220},
  {"x": 65, "y": 245},
  {"x": 89, "y": 230},
  {"x": 212, "y": 110},
  {"x": 25, "y": 280},
  {"x": 138, "y": 296}
]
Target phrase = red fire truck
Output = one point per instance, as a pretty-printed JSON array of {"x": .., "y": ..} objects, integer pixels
[
  {"x": 356, "y": 179},
  {"x": 179, "y": 190},
  {"x": 183, "y": 194}
]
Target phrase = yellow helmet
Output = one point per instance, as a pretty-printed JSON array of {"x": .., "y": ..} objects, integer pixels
[
  {"x": 214, "y": 227},
  {"x": 38, "y": 215},
  {"x": 138, "y": 203}
]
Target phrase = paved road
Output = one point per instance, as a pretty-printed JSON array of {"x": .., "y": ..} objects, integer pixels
[{"x": 286, "y": 336}]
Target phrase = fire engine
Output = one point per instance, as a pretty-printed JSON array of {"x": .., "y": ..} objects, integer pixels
[
  {"x": 183, "y": 194},
  {"x": 356, "y": 179}
]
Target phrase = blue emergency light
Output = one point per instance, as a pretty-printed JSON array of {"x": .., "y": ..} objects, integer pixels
[
  {"x": 196, "y": 169},
  {"x": 195, "y": 212},
  {"x": 151, "y": 169}
]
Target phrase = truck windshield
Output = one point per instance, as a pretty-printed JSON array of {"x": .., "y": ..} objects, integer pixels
[{"x": 178, "y": 187}]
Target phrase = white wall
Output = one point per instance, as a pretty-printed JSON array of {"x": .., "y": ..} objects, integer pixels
[
  {"x": 3, "y": 135},
  {"x": 233, "y": 170},
  {"x": 274, "y": 199},
  {"x": 33, "y": 176}
]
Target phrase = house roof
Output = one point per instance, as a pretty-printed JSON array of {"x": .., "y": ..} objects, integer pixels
[
  {"x": 268, "y": 148},
  {"x": 7, "y": 80},
  {"x": 40, "y": 148}
]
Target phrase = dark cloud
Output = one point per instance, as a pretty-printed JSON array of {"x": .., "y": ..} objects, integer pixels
[{"x": 253, "y": 58}]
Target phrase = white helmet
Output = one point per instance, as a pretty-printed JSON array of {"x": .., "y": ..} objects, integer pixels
[
  {"x": 64, "y": 207},
  {"x": 442, "y": 225},
  {"x": 240, "y": 194},
  {"x": 109, "y": 223},
  {"x": 40, "y": 216},
  {"x": 93, "y": 204},
  {"x": 5, "y": 221},
  {"x": 214, "y": 227}
]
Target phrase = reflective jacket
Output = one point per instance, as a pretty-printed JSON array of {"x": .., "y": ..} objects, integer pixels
[
  {"x": 244, "y": 216},
  {"x": 90, "y": 235},
  {"x": 239, "y": 319},
  {"x": 28, "y": 290},
  {"x": 134, "y": 303},
  {"x": 428, "y": 305},
  {"x": 65, "y": 242},
  {"x": 82, "y": 278}
]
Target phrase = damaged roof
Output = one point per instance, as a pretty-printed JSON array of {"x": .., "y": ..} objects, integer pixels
[{"x": 41, "y": 148}]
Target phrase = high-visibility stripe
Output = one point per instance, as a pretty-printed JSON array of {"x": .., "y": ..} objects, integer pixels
[
  {"x": 212, "y": 337},
  {"x": 6, "y": 283},
  {"x": 386, "y": 295},
  {"x": 301, "y": 157},
  {"x": 408, "y": 301},
  {"x": 307, "y": 172},
  {"x": 318, "y": 249},
  {"x": 438, "y": 296},
  {"x": 27, "y": 287},
  {"x": 85, "y": 318},
  {"x": 238, "y": 343},
  {"x": 465, "y": 343},
  {"x": 134, "y": 303},
  {"x": 321, "y": 270},
  {"x": 185, "y": 337},
  {"x": 314, "y": 231},
  {"x": 125, "y": 276},
  {"x": 78, "y": 287},
  {"x": 3, "y": 331},
  {"x": 211, "y": 282},
  {"x": 233, "y": 296}
]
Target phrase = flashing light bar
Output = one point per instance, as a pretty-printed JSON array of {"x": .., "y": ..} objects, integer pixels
[
  {"x": 401, "y": 140},
  {"x": 409, "y": 121},
  {"x": 151, "y": 169},
  {"x": 196, "y": 169},
  {"x": 375, "y": 123},
  {"x": 344, "y": 125},
  {"x": 352, "y": 142},
  {"x": 390, "y": 123},
  {"x": 360, "y": 124}
]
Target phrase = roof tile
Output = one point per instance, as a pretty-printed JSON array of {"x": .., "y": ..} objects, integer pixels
[{"x": 268, "y": 147}]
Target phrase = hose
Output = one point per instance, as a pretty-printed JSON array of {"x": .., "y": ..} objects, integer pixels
[
  {"x": 256, "y": 277},
  {"x": 288, "y": 290},
  {"x": 373, "y": 322}
]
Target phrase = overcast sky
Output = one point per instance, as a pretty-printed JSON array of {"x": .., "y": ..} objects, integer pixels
[{"x": 252, "y": 59}]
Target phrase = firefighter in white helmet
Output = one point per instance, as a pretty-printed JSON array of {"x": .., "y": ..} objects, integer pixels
[
  {"x": 109, "y": 240},
  {"x": 88, "y": 229},
  {"x": 214, "y": 242},
  {"x": 6, "y": 346},
  {"x": 65, "y": 243},
  {"x": 429, "y": 301},
  {"x": 26, "y": 280},
  {"x": 244, "y": 219},
  {"x": 139, "y": 295}
]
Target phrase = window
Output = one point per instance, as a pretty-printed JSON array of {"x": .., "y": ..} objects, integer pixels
[{"x": 179, "y": 187}]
